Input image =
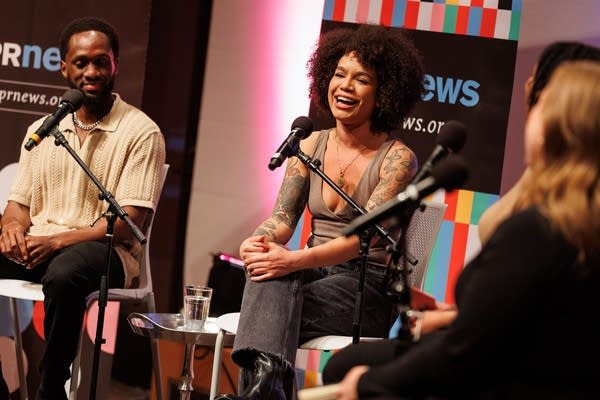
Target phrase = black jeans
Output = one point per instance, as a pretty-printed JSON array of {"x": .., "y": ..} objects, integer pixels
[{"x": 67, "y": 279}]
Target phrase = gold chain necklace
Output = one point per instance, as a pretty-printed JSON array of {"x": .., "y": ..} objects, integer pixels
[{"x": 341, "y": 182}]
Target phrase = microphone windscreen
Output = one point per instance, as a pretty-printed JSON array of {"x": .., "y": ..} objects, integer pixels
[
  {"x": 452, "y": 136},
  {"x": 303, "y": 123},
  {"x": 74, "y": 97},
  {"x": 450, "y": 173}
]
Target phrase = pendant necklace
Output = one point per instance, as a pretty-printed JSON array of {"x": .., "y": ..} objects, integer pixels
[{"x": 341, "y": 182}]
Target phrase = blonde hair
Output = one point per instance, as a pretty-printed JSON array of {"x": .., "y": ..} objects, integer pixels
[{"x": 564, "y": 183}]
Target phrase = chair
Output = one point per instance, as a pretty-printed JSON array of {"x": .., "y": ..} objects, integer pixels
[
  {"x": 17, "y": 289},
  {"x": 421, "y": 235}
]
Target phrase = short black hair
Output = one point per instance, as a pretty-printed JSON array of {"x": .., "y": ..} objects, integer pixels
[
  {"x": 389, "y": 52},
  {"x": 552, "y": 56},
  {"x": 88, "y": 24}
]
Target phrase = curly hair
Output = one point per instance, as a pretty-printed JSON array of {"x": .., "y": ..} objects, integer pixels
[
  {"x": 388, "y": 52},
  {"x": 552, "y": 57},
  {"x": 88, "y": 24}
]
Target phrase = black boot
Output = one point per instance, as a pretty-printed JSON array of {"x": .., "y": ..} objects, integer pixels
[{"x": 262, "y": 380}]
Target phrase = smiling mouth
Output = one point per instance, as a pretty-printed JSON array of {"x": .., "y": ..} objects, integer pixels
[
  {"x": 92, "y": 87},
  {"x": 345, "y": 100}
]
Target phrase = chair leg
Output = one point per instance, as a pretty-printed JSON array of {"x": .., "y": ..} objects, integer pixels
[
  {"x": 155, "y": 353},
  {"x": 76, "y": 366},
  {"x": 216, "y": 367},
  {"x": 18, "y": 349}
]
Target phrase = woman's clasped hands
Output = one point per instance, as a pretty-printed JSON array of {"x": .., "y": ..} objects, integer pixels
[{"x": 265, "y": 259}]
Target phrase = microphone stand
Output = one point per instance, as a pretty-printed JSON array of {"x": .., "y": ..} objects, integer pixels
[
  {"x": 364, "y": 236},
  {"x": 114, "y": 211},
  {"x": 398, "y": 285}
]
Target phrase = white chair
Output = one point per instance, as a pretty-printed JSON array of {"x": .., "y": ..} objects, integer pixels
[
  {"x": 227, "y": 324},
  {"x": 20, "y": 290},
  {"x": 17, "y": 289},
  {"x": 421, "y": 235}
]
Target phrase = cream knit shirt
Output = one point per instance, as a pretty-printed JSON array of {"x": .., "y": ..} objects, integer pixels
[{"x": 126, "y": 152}]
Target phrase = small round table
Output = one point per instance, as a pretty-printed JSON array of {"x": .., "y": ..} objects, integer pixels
[{"x": 171, "y": 327}]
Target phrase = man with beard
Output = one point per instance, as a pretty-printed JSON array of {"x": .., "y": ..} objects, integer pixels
[{"x": 53, "y": 230}]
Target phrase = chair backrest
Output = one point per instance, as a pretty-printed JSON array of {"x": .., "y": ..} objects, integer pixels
[
  {"x": 7, "y": 175},
  {"x": 145, "y": 275},
  {"x": 420, "y": 237},
  {"x": 145, "y": 278}
]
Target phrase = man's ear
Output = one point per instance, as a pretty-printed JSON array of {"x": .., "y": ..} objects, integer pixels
[{"x": 63, "y": 69}]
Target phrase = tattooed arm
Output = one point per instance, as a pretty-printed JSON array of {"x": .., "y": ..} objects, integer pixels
[
  {"x": 289, "y": 206},
  {"x": 270, "y": 236},
  {"x": 397, "y": 170}
]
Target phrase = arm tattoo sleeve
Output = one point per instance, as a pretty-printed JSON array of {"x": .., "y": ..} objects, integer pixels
[
  {"x": 399, "y": 166},
  {"x": 290, "y": 203}
]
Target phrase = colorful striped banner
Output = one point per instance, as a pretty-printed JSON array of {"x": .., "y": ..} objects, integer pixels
[
  {"x": 498, "y": 19},
  {"x": 302, "y": 232},
  {"x": 457, "y": 242}
]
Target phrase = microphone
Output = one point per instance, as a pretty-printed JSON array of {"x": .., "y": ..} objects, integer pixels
[
  {"x": 301, "y": 128},
  {"x": 450, "y": 140},
  {"x": 447, "y": 174},
  {"x": 70, "y": 102}
]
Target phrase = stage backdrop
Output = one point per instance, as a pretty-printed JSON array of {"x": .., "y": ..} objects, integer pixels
[
  {"x": 31, "y": 86},
  {"x": 469, "y": 51}
]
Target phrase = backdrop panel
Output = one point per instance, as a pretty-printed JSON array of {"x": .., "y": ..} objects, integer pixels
[{"x": 469, "y": 50}]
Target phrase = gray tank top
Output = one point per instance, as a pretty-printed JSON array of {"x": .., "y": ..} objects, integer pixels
[{"x": 327, "y": 225}]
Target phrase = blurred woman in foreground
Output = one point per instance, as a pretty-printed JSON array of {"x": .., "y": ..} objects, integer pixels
[{"x": 523, "y": 327}]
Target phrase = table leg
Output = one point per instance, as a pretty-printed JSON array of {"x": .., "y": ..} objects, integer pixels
[{"x": 187, "y": 374}]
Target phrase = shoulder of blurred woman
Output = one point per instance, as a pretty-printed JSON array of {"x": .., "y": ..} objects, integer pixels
[{"x": 500, "y": 210}]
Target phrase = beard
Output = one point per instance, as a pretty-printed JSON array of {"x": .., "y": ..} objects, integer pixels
[{"x": 102, "y": 97}]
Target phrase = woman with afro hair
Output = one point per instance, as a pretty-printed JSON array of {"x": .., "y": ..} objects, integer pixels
[{"x": 367, "y": 79}]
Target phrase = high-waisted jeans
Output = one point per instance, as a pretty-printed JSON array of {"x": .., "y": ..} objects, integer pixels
[{"x": 278, "y": 315}]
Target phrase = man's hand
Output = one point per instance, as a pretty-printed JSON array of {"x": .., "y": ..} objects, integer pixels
[
  {"x": 40, "y": 249},
  {"x": 12, "y": 242}
]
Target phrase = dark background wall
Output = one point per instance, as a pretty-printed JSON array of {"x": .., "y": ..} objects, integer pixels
[{"x": 172, "y": 89}]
